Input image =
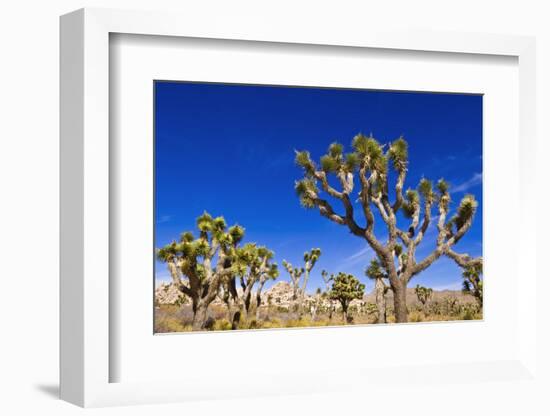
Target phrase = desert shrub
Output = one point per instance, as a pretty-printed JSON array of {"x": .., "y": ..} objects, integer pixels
[
  {"x": 273, "y": 323},
  {"x": 170, "y": 324},
  {"x": 416, "y": 316},
  {"x": 221, "y": 325},
  {"x": 467, "y": 315},
  {"x": 306, "y": 322}
]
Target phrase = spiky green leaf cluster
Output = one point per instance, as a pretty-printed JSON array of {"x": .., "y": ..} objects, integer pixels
[
  {"x": 189, "y": 250},
  {"x": 375, "y": 271},
  {"x": 466, "y": 210},
  {"x": 312, "y": 255},
  {"x": 167, "y": 253},
  {"x": 425, "y": 189},
  {"x": 442, "y": 186},
  {"x": 335, "y": 160},
  {"x": 335, "y": 150},
  {"x": 273, "y": 272},
  {"x": 204, "y": 222},
  {"x": 444, "y": 196},
  {"x": 237, "y": 233},
  {"x": 352, "y": 162},
  {"x": 187, "y": 236},
  {"x": 303, "y": 159},
  {"x": 473, "y": 270},
  {"x": 370, "y": 151},
  {"x": 249, "y": 259},
  {"x": 304, "y": 188},
  {"x": 398, "y": 154},
  {"x": 329, "y": 164},
  {"x": 411, "y": 203}
]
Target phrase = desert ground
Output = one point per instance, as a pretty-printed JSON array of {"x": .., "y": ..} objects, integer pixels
[{"x": 173, "y": 312}]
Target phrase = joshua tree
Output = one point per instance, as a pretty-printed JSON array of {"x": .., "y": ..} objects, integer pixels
[
  {"x": 370, "y": 162},
  {"x": 206, "y": 262},
  {"x": 253, "y": 265},
  {"x": 310, "y": 258},
  {"x": 472, "y": 281},
  {"x": 372, "y": 308},
  {"x": 376, "y": 273},
  {"x": 328, "y": 279},
  {"x": 346, "y": 288},
  {"x": 271, "y": 274},
  {"x": 295, "y": 276},
  {"x": 423, "y": 294},
  {"x": 316, "y": 303}
]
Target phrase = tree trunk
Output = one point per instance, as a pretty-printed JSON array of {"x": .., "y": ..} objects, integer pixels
[
  {"x": 380, "y": 300},
  {"x": 259, "y": 299},
  {"x": 300, "y": 307},
  {"x": 199, "y": 318},
  {"x": 400, "y": 302},
  {"x": 233, "y": 314}
]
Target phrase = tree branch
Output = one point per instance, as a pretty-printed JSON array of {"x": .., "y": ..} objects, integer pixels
[
  {"x": 463, "y": 260},
  {"x": 326, "y": 210},
  {"x": 365, "y": 197},
  {"x": 399, "y": 190},
  {"x": 425, "y": 222}
]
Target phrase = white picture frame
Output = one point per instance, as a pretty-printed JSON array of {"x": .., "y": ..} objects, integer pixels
[{"x": 86, "y": 356}]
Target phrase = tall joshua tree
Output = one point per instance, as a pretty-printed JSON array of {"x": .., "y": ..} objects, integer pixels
[
  {"x": 310, "y": 258},
  {"x": 371, "y": 161},
  {"x": 346, "y": 288},
  {"x": 271, "y": 272},
  {"x": 295, "y": 277},
  {"x": 376, "y": 273},
  {"x": 253, "y": 265},
  {"x": 206, "y": 261}
]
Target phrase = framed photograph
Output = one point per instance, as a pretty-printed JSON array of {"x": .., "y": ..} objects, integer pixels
[{"x": 250, "y": 205}]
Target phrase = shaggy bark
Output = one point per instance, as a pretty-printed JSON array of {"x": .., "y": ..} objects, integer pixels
[
  {"x": 259, "y": 298},
  {"x": 380, "y": 290}
]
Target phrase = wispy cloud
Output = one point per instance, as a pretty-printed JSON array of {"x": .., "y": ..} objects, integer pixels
[
  {"x": 356, "y": 258},
  {"x": 164, "y": 218},
  {"x": 475, "y": 180},
  {"x": 359, "y": 254}
]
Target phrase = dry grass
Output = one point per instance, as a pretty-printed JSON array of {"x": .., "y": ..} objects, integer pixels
[{"x": 172, "y": 318}]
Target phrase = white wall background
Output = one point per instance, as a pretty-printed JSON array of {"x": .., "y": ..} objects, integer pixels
[{"x": 29, "y": 186}]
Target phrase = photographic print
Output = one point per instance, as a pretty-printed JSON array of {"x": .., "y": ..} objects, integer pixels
[{"x": 288, "y": 206}]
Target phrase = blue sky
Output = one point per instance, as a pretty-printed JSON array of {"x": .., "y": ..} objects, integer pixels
[{"x": 229, "y": 150}]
